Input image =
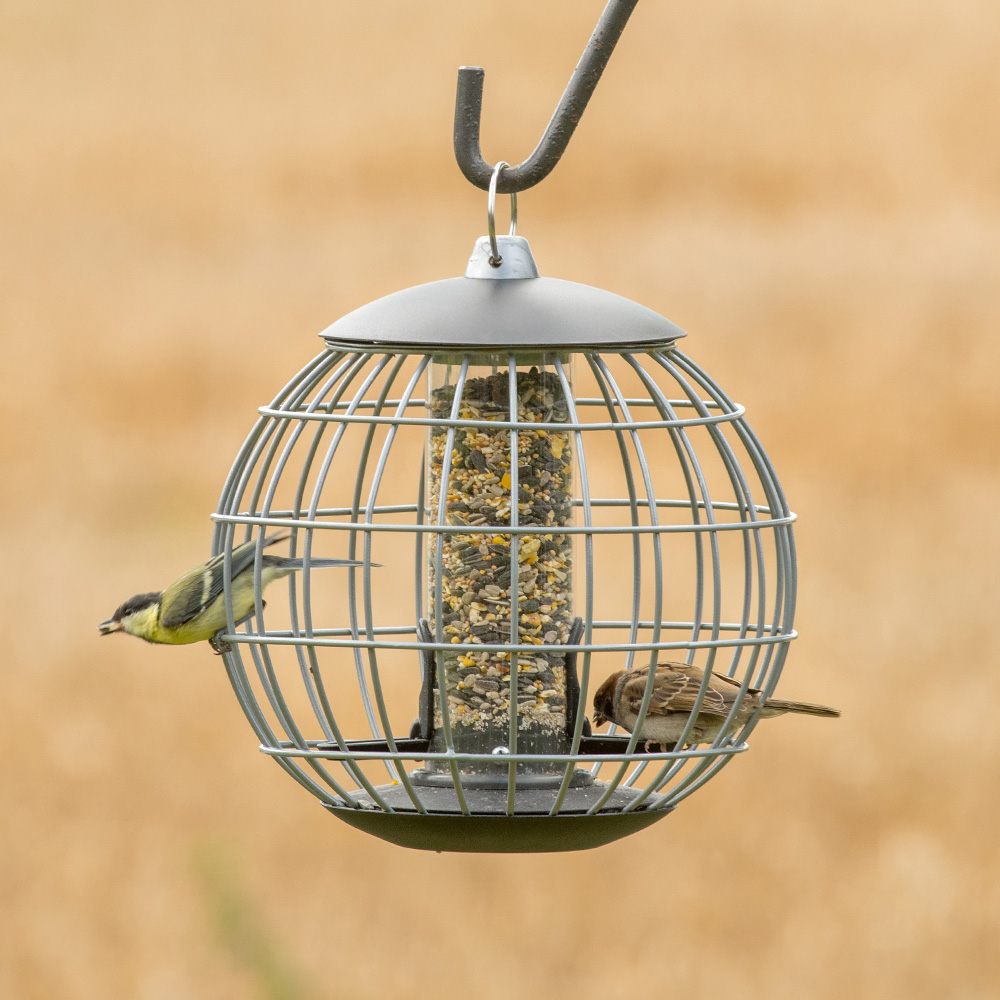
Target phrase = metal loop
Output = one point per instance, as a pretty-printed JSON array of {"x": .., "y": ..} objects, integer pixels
[{"x": 491, "y": 203}]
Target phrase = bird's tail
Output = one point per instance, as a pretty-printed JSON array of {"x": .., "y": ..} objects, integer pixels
[
  {"x": 777, "y": 705},
  {"x": 293, "y": 564},
  {"x": 280, "y": 562}
]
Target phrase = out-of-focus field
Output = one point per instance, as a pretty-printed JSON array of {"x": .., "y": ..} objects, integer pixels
[{"x": 190, "y": 191}]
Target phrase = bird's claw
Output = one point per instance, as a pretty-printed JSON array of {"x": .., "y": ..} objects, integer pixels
[{"x": 218, "y": 644}]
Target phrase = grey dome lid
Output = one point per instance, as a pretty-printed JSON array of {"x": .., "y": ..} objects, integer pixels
[{"x": 505, "y": 306}]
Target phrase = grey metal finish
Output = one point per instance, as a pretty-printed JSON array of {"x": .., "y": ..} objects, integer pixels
[
  {"x": 496, "y": 258},
  {"x": 531, "y": 313},
  {"x": 516, "y": 259},
  {"x": 469, "y": 106},
  {"x": 684, "y": 551}
]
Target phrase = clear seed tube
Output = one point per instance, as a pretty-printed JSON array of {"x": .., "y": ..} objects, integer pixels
[{"x": 484, "y": 576}]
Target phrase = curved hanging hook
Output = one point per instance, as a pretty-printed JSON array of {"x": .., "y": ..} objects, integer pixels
[{"x": 469, "y": 106}]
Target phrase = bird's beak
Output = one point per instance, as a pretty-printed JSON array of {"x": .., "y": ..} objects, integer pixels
[
  {"x": 106, "y": 628},
  {"x": 599, "y": 720}
]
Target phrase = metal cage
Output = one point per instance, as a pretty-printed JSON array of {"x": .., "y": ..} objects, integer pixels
[{"x": 541, "y": 489}]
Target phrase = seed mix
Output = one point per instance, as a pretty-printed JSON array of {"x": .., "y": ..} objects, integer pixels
[{"x": 477, "y": 573}]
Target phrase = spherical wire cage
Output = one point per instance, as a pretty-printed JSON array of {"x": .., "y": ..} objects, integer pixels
[{"x": 532, "y": 508}]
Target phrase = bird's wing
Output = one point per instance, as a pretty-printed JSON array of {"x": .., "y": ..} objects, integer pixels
[
  {"x": 675, "y": 690},
  {"x": 198, "y": 587}
]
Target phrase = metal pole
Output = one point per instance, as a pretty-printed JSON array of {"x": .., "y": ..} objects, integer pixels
[{"x": 562, "y": 124}]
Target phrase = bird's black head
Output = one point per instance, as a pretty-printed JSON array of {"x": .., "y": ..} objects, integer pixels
[
  {"x": 127, "y": 609},
  {"x": 604, "y": 701}
]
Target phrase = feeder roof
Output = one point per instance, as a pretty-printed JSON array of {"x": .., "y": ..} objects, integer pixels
[{"x": 508, "y": 306}]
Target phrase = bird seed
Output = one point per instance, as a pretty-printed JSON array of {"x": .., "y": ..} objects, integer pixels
[{"x": 482, "y": 564}]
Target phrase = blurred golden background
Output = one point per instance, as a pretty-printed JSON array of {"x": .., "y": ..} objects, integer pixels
[{"x": 189, "y": 192}]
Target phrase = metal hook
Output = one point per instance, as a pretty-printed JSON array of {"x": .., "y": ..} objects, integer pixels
[{"x": 552, "y": 145}]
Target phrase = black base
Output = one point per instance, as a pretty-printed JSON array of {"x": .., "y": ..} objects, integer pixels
[
  {"x": 489, "y": 829},
  {"x": 497, "y": 834}
]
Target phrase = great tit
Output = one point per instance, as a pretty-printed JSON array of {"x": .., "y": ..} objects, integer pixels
[{"x": 193, "y": 607}]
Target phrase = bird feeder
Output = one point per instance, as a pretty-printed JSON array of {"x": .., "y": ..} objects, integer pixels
[{"x": 541, "y": 489}]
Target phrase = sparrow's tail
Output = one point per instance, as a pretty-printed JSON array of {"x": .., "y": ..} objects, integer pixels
[{"x": 776, "y": 706}]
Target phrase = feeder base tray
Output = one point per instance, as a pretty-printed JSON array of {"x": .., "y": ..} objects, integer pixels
[{"x": 488, "y": 829}]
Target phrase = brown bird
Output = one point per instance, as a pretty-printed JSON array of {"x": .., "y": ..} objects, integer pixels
[{"x": 674, "y": 691}]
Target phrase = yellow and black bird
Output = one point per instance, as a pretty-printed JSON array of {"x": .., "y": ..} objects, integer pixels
[{"x": 193, "y": 607}]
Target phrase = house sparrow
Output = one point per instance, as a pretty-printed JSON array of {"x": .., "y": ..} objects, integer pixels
[{"x": 674, "y": 692}]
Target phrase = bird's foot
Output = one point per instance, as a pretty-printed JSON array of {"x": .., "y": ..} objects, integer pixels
[
  {"x": 218, "y": 644},
  {"x": 660, "y": 747}
]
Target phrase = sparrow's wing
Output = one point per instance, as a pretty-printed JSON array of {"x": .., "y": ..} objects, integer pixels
[
  {"x": 675, "y": 690},
  {"x": 198, "y": 587}
]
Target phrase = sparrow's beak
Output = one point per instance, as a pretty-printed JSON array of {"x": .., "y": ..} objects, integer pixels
[
  {"x": 106, "y": 628},
  {"x": 599, "y": 720}
]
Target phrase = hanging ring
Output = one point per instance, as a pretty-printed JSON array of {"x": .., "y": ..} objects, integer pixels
[{"x": 491, "y": 203}]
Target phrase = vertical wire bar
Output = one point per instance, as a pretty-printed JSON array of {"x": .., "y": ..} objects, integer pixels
[
  {"x": 698, "y": 541},
  {"x": 778, "y": 507},
  {"x": 269, "y": 683},
  {"x": 633, "y": 630},
  {"x": 353, "y": 766},
  {"x": 261, "y": 653},
  {"x": 602, "y": 372},
  {"x": 308, "y": 657},
  {"x": 570, "y": 768},
  {"x": 588, "y": 540},
  {"x": 343, "y": 372},
  {"x": 242, "y": 460},
  {"x": 609, "y": 402},
  {"x": 667, "y": 412},
  {"x": 745, "y": 506},
  {"x": 783, "y": 535},
  {"x": 395, "y": 364},
  {"x": 783, "y": 541},
  {"x": 339, "y": 382},
  {"x": 370, "y": 710},
  {"x": 442, "y": 510},
  {"x": 318, "y": 487},
  {"x": 367, "y": 569},
  {"x": 683, "y": 453},
  {"x": 342, "y": 377},
  {"x": 748, "y": 513},
  {"x": 419, "y": 573},
  {"x": 234, "y": 664},
  {"x": 221, "y": 538},
  {"x": 292, "y": 407},
  {"x": 514, "y": 590},
  {"x": 636, "y": 540},
  {"x": 268, "y": 677},
  {"x": 745, "y": 501}
]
